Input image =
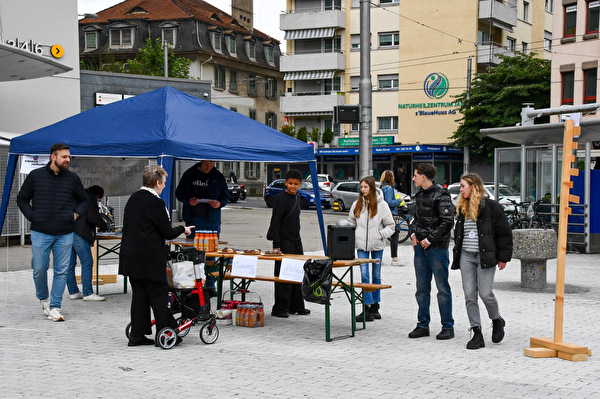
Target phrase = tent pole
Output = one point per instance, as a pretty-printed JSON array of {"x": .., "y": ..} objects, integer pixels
[
  {"x": 168, "y": 163},
  {"x": 10, "y": 175},
  {"x": 312, "y": 165}
]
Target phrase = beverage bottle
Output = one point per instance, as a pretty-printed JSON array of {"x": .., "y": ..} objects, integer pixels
[
  {"x": 261, "y": 316},
  {"x": 238, "y": 314},
  {"x": 246, "y": 316},
  {"x": 216, "y": 241},
  {"x": 203, "y": 241},
  {"x": 197, "y": 240},
  {"x": 211, "y": 241},
  {"x": 252, "y": 317}
]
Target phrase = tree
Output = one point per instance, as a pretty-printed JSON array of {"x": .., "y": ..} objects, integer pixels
[
  {"x": 302, "y": 134},
  {"x": 315, "y": 134},
  {"x": 150, "y": 61},
  {"x": 496, "y": 99},
  {"x": 327, "y": 136},
  {"x": 290, "y": 130}
]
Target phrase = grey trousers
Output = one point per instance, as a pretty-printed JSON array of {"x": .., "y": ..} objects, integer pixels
[{"x": 477, "y": 280}]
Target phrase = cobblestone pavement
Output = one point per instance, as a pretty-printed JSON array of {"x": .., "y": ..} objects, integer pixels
[{"x": 87, "y": 356}]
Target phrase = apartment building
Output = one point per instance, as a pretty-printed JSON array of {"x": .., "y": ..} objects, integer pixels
[{"x": 419, "y": 62}]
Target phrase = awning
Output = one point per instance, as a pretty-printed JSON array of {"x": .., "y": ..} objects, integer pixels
[
  {"x": 543, "y": 134},
  {"x": 308, "y": 75},
  {"x": 316, "y": 113},
  {"x": 502, "y": 25},
  {"x": 309, "y": 33},
  {"x": 17, "y": 64}
]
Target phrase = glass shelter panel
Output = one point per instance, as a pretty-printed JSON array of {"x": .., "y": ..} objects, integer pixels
[{"x": 509, "y": 167}]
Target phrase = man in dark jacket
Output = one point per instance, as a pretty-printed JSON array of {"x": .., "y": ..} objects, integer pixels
[
  {"x": 83, "y": 240},
  {"x": 433, "y": 217},
  {"x": 203, "y": 192},
  {"x": 52, "y": 198}
]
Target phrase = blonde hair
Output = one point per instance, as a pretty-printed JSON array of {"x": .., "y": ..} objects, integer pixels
[
  {"x": 470, "y": 206},
  {"x": 387, "y": 177},
  {"x": 152, "y": 175},
  {"x": 370, "y": 201}
]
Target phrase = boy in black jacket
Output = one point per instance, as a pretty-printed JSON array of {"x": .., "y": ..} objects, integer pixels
[{"x": 284, "y": 230}]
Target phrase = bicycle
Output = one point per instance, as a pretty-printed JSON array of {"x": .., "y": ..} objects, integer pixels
[
  {"x": 515, "y": 218},
  {"x": 538, "y": 216},
  {"x": 402, "y": 221}
]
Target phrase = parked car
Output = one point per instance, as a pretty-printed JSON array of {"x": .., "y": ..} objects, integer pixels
[
  {"x": 506, "y": 193},
  {"x": 345, "y": 193},
  {"x": 234, "y": 191},
  {"x": 326, "y": 182},
  {"x": 307, "y": 195}
]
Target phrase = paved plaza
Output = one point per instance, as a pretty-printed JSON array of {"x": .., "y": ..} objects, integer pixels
[{"x": 87, "y": 356}]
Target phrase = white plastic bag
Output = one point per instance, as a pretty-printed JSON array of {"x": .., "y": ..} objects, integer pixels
[{"x": 183, "y": 275}]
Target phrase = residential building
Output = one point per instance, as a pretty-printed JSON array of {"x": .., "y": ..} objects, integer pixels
[
  {"x": 241, "y": 62},
  {"x": 419, "y": 62}
]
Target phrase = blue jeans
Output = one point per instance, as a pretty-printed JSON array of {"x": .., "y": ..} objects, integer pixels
[
  {"x": 61, "y": 246},
  {"x": 82, "y": 249},
  {"x": 374, "y": 296},
  {"x": 433, "y": 261},
  {"x": 203, "y": 225}
]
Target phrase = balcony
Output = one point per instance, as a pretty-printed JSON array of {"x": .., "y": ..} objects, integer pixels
[
  {"x": 499, "y": 14},
  {"x": 312, "y": 62},
  {"x": 487, "y": 53},
  {"x": 306, "y": 103},
  {"x": 312, "y": 20}
]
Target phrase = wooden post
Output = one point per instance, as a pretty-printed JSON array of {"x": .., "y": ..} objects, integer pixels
[{"x": 545, "y": 347}]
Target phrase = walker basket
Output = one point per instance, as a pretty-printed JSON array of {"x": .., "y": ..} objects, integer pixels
[{"x": 234, "y": 303}]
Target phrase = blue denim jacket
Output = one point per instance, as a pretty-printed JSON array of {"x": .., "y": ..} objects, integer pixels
[{"x": 390, "y": 197}]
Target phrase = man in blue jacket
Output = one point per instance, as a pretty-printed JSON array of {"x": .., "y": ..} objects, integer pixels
[
  {"x": 52, "y": 198},
  {"x": 203, "y": 192}
]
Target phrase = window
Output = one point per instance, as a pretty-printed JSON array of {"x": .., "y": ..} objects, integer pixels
[
  {"x": 570, "y": 21},
  {"x": 252, "y": 114},
  {"x": 526, "y": 11},
  {"x": 568, "y": 81},
  {"x": 121, "y": 37},
  {"x": 332, "y": 85},
  {"x": 354, "y": 42},
  {"x": 590, "y": 78},
  {"x": 168, "y": 35},
  {"x": 252, "y": 170},
  {"x": 593, "y": 17},
  {"x": 549, "y": 5},
  {"x": 216, "y": 41},
  {"x": 333, "y": 45},
  {"x": 270, "y": 54},
  {"x": 333, "y": 5},
  {"x": 354, "y": 83},
  {"x": 91, "y": 40},
  {"x": 387, "y": 123},
  {"x": 219, "y": 77},
  {"x": 511, "y": 44},
  {"x": 271, "y": 88},
  {"x": 388, "y": 81},
  {"x": 271, "y": 120},
  {"x": 484, "y": 37},
  {"x": 382, "y": 2},
  {"x": 233, "y": 81},
  {"x": 525, "y": 47},
  {"x": 250, "y": 50},
  {"x": 389, "y": 39},
  {"x": 252, "y": 85},
  {"x": 355, "y": 127},
  {"x": 231, "y": 45},
  {"x": 547, "y": 41},
  {"x": 234, "y": 109},
  {"x": 335, "y": 127}
]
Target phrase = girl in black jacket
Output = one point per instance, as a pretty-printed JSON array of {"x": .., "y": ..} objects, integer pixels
[{"x": 483, "y": 239}]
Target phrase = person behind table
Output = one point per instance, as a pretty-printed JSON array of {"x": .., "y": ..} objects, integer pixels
[
  {"x": 285, "y": 231},
  {"x": 483, "y": 239},
  {"x": 389, "y": 196},
  {"x": 433, "y": 218},
  {"x": 143, "y": 256},
  {"x": 83, "y": 239},
  {"x": 203, "y": 182},
  {"x": 52, "y": 198},
  {"x": 374, "y": 223}
]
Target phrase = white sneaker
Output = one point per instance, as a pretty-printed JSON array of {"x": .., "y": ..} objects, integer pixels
[
  {"x": 93, "y": 297},
  {"x": 55, "y": 315},
  {"x": 397, "y": 263},
  {"x": 78, "y": 295},
  {"x": 45, "y": 306}
]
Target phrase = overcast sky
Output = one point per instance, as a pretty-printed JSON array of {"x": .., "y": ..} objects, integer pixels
[{"x": 266, "y": 12}]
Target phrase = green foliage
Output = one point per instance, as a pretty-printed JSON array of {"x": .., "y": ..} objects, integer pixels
[
  {"x": 496, "y": 99},
  {"x": 302, "y": 134},
  {"x": 327, "y": 136},
  {"x": 289, "y": 130},
  {"x": 315, "y": 134},
  {"x": 103, "y": 62},
  {"x": 150, "y": 61}
]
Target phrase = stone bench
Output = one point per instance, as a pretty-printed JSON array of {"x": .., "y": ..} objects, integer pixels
[{"x": 533, "y": 247}]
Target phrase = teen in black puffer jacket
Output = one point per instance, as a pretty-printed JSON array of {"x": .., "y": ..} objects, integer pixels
[{"x": 433, "y": 215}]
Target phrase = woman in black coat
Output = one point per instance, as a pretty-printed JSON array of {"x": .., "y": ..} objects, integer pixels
[
  {"x": 483, "y": 239},
  {"x": 143, "y": 256}
]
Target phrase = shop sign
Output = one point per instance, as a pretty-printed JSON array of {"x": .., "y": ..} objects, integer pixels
[
  {"x": 107, "y": 98},
  {"x": 27, "y": 45},
  {"x": 423, "y": 157},
  {"x": 355, "y": 141}
]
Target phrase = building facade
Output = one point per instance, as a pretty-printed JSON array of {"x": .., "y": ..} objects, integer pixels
[
  {"x": 419, "y": 62},
  {"x": 241, "y": 62}
]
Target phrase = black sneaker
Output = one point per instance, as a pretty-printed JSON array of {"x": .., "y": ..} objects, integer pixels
[
  {"x": 419, "y": 332},
  {"x": 498, "y": 329},
  {"x": 133, "y": 341},
  {"x": 282, "y": 315},
  {"x": 446, "y": 333}
]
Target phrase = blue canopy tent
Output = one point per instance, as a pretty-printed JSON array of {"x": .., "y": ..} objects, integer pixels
[{"x": 165, "y": 124}]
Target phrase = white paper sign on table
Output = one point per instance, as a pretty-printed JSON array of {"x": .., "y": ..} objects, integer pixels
[
  {"x": 292, "y": 270},
  {"x": 244, "y": 266}
]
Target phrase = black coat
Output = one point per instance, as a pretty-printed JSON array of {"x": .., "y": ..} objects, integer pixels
[
  {"x": 433, "y": 215},
  {"x": 146, "y": 226},
  {"x": 495, "y": 235},
  {"x": 86, "y": 225},
  {"x": 50, "y": 200}
]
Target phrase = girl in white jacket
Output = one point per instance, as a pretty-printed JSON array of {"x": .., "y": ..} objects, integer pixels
[{"x": 372, "y": 218}]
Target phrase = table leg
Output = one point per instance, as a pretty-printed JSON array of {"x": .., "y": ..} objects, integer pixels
[
  {"x": 352, "y": 301},
  {"x": 221, "y": 265}
]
